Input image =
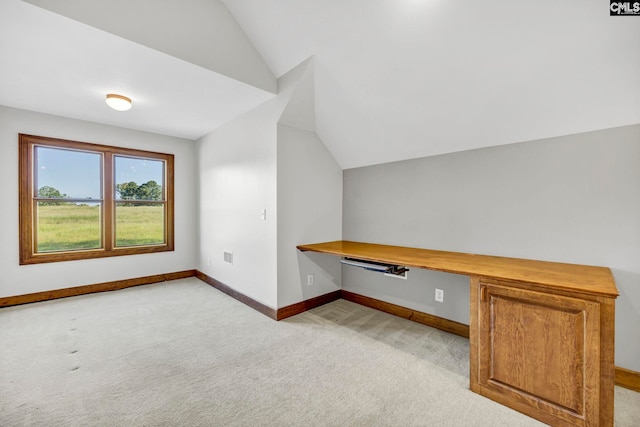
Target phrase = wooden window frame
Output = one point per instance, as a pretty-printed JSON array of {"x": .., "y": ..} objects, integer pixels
[{"x": 27, "y": 201}]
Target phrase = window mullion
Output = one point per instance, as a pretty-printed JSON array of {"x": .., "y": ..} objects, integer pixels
[{"x": 108, "y": 208}]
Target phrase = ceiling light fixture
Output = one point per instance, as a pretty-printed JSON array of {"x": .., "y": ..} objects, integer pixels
[{"x": 118, "y": 102}]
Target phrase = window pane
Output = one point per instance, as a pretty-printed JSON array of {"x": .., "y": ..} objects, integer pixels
[
  {"x": 138, "y": 225},
  {"x": 67, "y": 173},
  {"x": 138, "y": 179},
  {"x": 67, "y": 226}
]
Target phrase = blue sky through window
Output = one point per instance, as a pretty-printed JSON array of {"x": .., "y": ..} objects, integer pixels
[{"x": 77, "y": 173}]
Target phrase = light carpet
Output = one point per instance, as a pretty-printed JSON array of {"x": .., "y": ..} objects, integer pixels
[{"x": 183, "y": 354}]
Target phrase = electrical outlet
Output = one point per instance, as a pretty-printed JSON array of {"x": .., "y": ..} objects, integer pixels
[
  {"x": 309, "y": 279},
  {"x": 439, "y": 295},
  {"x": 209, "y": 261}
]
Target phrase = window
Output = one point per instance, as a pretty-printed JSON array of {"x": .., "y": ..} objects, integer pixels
[{"x": 81, "y": 200}]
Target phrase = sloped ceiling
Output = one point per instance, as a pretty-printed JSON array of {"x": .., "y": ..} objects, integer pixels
[
  {"x": 53, "y": 64},
  {"x": 396, "y": 79},
  {"x": 201, "y": 32},
  {"x": 392, "y": 79}
]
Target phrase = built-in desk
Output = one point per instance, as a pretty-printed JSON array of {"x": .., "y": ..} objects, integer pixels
[{"x": 541, "y": 333}]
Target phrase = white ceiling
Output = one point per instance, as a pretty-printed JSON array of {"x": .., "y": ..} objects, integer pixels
[{"x": 394, "y": 79}]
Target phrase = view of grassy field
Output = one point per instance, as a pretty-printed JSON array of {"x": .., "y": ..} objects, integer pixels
[
  {"x": 71, "y": 227},
  {"x": 139, "y": 225}
]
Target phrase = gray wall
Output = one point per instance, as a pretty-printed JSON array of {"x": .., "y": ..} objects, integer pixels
[
  {"x": 309, "y": 210},
  {"x": 571, "y": 199}
]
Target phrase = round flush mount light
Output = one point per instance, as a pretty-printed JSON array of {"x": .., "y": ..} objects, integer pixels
[{"x": 118, "y": 102}]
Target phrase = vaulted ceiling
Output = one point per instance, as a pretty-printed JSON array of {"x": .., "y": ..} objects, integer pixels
[{"x": 394, "y": 79}]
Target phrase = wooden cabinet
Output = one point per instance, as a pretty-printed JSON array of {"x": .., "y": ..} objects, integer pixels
[{"x": 538, "y": 352}]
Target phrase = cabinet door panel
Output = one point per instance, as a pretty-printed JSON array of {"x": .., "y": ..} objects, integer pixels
[{"x": 540, "y": 349}]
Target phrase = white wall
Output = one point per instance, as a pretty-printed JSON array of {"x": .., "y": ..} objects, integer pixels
[
  {"x": 309, "y": 210},
  {"x": 572, "y": 199},
  {"x": 18, "y": 280},
  {"x": 237, "y": 170},
  {"x": 253, "y": 163}
]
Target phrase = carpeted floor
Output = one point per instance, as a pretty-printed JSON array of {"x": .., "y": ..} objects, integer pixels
[{"x": 183, "y": 354}]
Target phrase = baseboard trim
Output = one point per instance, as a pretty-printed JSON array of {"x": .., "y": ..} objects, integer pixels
[
  {"x": 90, "y": 289},
  {"x": 624, "y": 377},
  {"x": 300, "y": 307},
  {"x": 628, "y": 379},
  {"x": 256, "y": 305},
  {"x": 409, "y": 314}
]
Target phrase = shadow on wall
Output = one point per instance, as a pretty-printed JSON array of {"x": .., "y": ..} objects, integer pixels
[
  {"x": 325, "y": 270},
  {"x": 627, "y": 319}
]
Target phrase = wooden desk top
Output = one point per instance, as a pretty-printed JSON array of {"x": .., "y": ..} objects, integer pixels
[{"x": 571, "y": 277}]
